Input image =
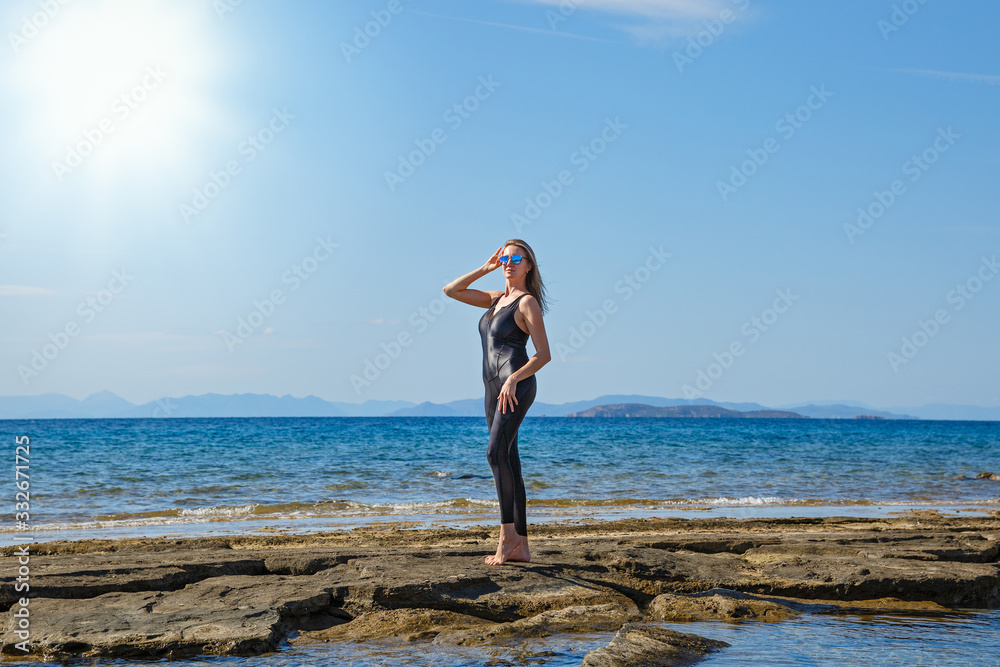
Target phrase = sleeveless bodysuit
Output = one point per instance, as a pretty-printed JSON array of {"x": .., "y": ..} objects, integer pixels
[{"x": 503, "y": 353}]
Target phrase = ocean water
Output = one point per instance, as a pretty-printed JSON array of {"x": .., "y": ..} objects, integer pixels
[
  {"x": 878, "y": 640},
  {"x": 185, "y": 477},
  {"x": 881, "y": 640}
]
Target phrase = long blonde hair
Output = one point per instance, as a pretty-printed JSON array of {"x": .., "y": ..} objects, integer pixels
[{"x": 533, "y": 281}]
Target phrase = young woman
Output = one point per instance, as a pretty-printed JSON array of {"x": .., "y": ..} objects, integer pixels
[{"x": 509, "y": 376}]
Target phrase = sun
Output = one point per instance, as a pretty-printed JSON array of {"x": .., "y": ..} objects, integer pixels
[{"x": 115, "y": 89}]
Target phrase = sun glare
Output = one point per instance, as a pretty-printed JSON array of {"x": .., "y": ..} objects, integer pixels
[{"x": 117, "y": 88}]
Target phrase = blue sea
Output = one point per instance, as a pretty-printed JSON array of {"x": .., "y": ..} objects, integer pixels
[
  {"x": 185, "y": 477},
  {"x": 196, "y": 477}
]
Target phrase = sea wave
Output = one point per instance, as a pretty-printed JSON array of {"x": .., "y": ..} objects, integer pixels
[{"x": 452, "y": 507}]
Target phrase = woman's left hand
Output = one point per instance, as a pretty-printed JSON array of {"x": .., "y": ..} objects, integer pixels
[{"x": 507, "y": 397}]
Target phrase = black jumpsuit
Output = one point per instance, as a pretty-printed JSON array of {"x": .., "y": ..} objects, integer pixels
[{"x": 503, "y": 353}]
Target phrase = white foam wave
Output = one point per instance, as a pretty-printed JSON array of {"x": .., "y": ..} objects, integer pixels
[
  {"x": 753, "y": 501},
  {"x": 345, "y": 509},
  {"x": 220, "y": 511}
]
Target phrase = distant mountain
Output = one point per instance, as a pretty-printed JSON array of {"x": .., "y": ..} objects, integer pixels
[
  {"x": 844, "y": 411},
  {"x": 426, "y": 409},
  {"x": 691, "y": 411},
  {"x": 105, "y": 404},
  {"x": 475, "y": 407},
  {"x": 371, "y": 408},
  {"x": 467, "y": 407},
  {"x": 235, "y": 405},
  {"x": 960, "y": 412},
  {"x": 853, "y": 404},
  {"x": 611, "y": 399},
  {"x": 43, "y": 406},
  {"x": 851, "y": 409}
]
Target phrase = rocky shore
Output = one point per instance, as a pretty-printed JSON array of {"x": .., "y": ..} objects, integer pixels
[{"x": 245, "y": 595}]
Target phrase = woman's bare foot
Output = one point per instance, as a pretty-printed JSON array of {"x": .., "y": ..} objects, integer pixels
[
  {"x": 520, "y": 552},
  {"x": 506, "y": 552},
  {"x": 512, "y": 547}
]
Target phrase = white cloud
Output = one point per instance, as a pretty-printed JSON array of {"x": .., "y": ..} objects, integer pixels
[
  {"x": 647, "y": 21},
  {"x": 658, "y": 22},
  {"x": 662, "y": 31},
  {"x": 660, "y": 9}
]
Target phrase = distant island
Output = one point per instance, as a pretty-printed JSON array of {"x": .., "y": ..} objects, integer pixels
[
  {"x": 695, "y": 411},
  {"x": 107, "y": 405}
]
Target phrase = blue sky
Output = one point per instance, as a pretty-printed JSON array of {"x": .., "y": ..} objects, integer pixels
[{"x": 172, "y": 167}]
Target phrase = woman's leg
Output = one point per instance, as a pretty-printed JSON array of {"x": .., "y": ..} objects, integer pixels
[
  {"x": 498, "y": 454},
  {"x": 520, "y": 498},
  {"x": 494, "y": 454},
  {"x": 503, "y": 456},
  {"x": 506, "y": 465}
]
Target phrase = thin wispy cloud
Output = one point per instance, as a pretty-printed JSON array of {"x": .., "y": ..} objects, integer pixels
[
  {"x": 659, "y": 9},
  {"x": 656, "y": 22},
  {"x": 989, "y": 79},
  {"x": 509, "y": 26},
  {"x": 661, "y": 32}
]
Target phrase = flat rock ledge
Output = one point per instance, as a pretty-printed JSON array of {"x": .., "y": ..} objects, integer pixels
[
  {"x": 248, "y": 595},
  {"x": 637, "y": 645}
]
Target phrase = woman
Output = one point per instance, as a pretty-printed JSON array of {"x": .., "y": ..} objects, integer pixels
[{"x": 509, "y": 377}]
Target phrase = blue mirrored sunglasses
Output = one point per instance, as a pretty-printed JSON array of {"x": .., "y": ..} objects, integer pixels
[{"x": 513, "y": 258}]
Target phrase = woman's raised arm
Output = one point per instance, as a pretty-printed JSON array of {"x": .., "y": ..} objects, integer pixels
[{"x": 458, "y": 289}]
